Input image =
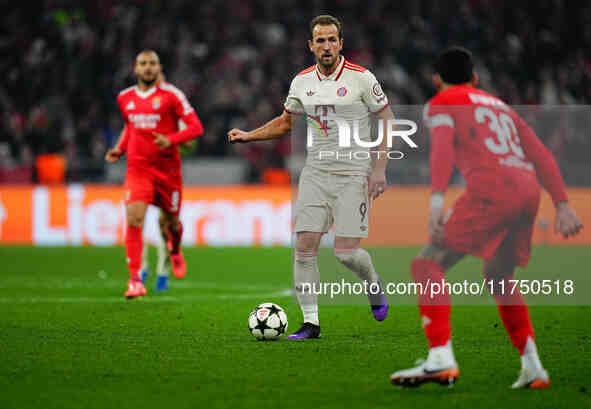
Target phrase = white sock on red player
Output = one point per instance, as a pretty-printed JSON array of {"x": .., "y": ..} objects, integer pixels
[
  {"x": 530, "y": 359},
  {"x": 442, "y": 357}
]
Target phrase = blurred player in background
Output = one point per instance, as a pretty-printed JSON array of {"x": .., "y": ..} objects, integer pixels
[
  {"x": 163, "y": 263},
  {"x": 335, "y": 189},
  {"x": 501, "y": 159},
  {"x": 151, "y": 111}
]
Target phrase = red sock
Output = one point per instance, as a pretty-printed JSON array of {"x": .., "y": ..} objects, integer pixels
[
  {"x": 176, "y": 238},
  {"x": 434, "y": 308},
  {"x": 514, "y": 314},
  {"x": 133, "y": 247}
]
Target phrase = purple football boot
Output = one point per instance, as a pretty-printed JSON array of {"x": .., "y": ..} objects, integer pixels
[
  {"x": 379, "y": 303},
  {"x": 307, "y": 331}
]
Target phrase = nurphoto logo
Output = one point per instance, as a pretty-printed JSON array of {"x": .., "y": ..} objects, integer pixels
[{"x": 349, "y": 137}]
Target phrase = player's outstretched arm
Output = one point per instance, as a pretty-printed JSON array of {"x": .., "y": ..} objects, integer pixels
[{"x": 273, "y": 129}]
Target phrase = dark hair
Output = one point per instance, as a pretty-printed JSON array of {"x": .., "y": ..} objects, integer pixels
[
  {"x": 326, "y": 20},
  {"x": 454, "y": 65}
]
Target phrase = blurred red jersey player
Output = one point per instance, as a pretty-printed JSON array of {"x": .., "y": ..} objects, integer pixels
[
  {"x": 501, "y": 159},
  {"x": 152, "y": 110}
]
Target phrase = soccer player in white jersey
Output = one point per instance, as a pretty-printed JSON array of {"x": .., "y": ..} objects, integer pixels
[{"x": 335, "y": 185}]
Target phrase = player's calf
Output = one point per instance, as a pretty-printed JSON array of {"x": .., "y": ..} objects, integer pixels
[
  {"x": 515, "y": 317},
  {"x": 359, "y": 261},
  {"x": 306, "y": 278},
  {"x": 177, "y": 260}
]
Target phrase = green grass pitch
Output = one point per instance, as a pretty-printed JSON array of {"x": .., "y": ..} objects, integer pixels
[{"x": 68, "y": 339}]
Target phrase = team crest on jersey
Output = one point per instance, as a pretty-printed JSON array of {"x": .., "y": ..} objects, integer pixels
[
  {"x": 341, "y": 92},
  {"x": 377, "y": 90},
  {"x": 156, "y": 102},
  {"x": 310, "y": 93},
  {"x": 130, "y": 106}
]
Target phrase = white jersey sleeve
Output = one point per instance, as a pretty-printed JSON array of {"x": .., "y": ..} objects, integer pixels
[
  {"x": 371, "y": 92},
  {"x": 293, "y": 103}
]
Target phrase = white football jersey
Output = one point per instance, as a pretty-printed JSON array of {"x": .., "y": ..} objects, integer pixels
[{"x": 350, "y": 93}]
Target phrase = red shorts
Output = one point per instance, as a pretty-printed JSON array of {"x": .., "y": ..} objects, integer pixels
[
  {"x": 162, "y": 190},
  {"x": 478, "y": 225}
]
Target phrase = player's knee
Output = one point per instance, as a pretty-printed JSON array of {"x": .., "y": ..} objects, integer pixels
[
  {"x": 162, "y": 219},
  {"x": 345, "y": 256},
  {"x": 306, "y": 243},
  {"x": 163, "y": 223},
  {"x": 417, "y": 264},
  {"x": 135, "y": 220},
  {"x": 445, "y": 258},
  {"x": 422, "y": 268},
  {"x": 175, "y": 224},
  {"x": 429, "y": 254},
  {"x": 497, "y": 272}
]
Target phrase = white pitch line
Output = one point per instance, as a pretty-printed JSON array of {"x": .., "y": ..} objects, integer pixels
[
  {"x": 157, "y": 299},
  {"x": 67, "y": 284}
]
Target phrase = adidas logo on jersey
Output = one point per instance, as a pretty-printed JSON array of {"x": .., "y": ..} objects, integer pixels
[{"x": 131, "y": 105}]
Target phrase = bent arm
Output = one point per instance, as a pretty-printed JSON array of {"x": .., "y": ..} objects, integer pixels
[
  {"x": 546, "y": 166},
  {"x": 123, "y": 140},
  {"x": 275, "y": 128},
  {"x": 194, "y": 129}
]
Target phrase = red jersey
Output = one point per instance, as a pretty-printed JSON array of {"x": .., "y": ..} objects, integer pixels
[
  {"x": 156, "y": 110},
  {"x": 490, "y": 144}
]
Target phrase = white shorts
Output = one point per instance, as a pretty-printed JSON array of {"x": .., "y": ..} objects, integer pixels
[{"x": 325, "y": 198}]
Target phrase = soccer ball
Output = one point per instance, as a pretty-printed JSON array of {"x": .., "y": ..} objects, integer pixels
[{"x": 267, "y": 322}]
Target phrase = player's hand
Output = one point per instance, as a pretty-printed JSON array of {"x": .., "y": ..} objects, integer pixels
[
  {"x": 237, "y": 136},
  {"x": 436, "y": 225},
  {"x": 161, "y": 140},
  {"x": 377, "y": 183},
  {"x": 113, "y": 155},
  {"x": 567, "y": 222},
  {"x": 190, "y": 144}
]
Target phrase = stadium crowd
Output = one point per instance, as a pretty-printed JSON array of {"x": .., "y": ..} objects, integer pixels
[{"x": 63, "y": 66}]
